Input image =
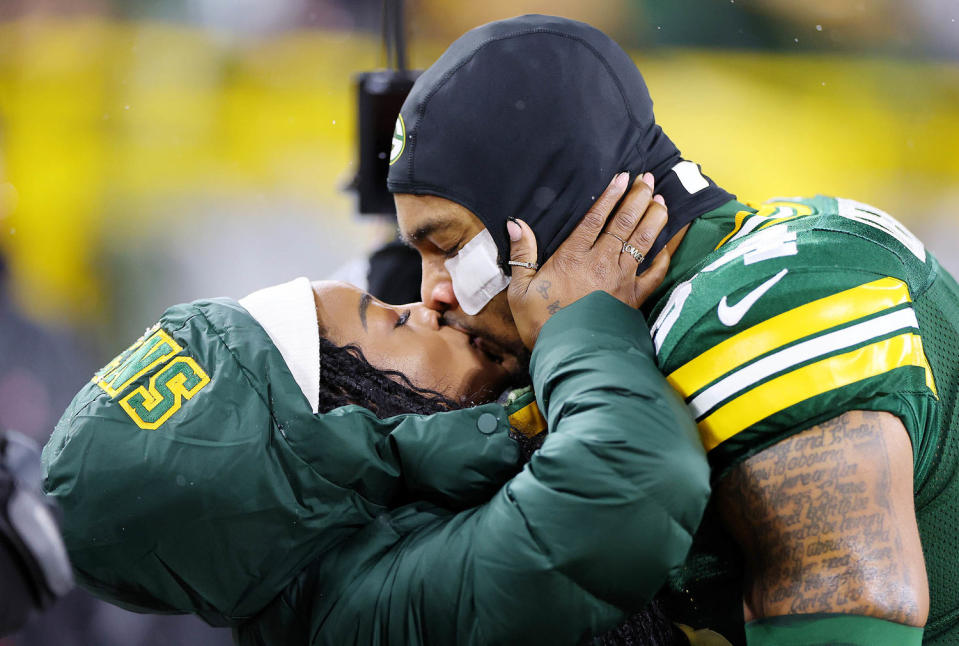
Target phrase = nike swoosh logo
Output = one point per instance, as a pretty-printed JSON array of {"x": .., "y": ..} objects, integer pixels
[{"x": 730, "y": 315}]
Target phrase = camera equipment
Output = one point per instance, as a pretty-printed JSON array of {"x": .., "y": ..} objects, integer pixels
[{"x": 380, "y": 96}]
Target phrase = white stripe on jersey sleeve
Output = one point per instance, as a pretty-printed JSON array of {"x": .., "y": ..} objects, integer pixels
[{"x": 782, "y": 361}]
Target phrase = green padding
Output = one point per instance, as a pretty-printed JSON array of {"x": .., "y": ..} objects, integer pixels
[{"x": 831, "y": 630}]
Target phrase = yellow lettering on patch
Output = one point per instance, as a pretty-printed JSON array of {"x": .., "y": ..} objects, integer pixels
[
  {"x": 151, "y": 405},
  {"x": 136, "y": 361},
  {"x": 177, "y": 378}
]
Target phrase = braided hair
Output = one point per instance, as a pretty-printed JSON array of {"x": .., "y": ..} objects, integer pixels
[{"x": 348, "y": 378}]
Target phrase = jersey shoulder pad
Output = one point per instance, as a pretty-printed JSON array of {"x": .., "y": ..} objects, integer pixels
[{"x": 773, "y": 334}]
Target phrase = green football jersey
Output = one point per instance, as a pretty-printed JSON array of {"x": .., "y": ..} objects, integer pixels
[{"x": 779, "y": 318}]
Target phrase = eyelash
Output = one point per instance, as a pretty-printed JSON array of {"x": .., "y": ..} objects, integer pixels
[
  {"x": 404, "y": 317},
  {"x": 452, "y": 251}
]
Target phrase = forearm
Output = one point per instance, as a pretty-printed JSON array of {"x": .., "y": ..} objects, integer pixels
[
  {"x": 827, "y": 525},
  {"x": 623, "y": 456},
  {"x": 608, "y": 505},
  {"x": 614, "y": 402}
]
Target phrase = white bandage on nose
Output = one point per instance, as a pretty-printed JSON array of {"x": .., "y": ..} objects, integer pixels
[{"x": 476, "y": 276}]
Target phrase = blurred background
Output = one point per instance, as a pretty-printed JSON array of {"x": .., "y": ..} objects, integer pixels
[{"x": 157, "y": 151}]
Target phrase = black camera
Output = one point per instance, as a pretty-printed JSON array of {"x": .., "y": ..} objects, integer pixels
[{"x": 380, "y": 96}]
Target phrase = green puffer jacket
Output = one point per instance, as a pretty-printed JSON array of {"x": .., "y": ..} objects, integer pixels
[
  {"x": 194, "y": 477},
  {"x": 587, "y": 532}
]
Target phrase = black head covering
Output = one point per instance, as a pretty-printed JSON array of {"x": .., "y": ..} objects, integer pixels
[{"x": 530, "y": 118}]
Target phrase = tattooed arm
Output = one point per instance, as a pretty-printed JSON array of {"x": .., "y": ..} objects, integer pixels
[{"x": 826, "y": 522}]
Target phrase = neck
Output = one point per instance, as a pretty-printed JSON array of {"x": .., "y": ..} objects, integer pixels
[
  {"x": 684, "y": 207},
  {"x": 688, "y": 193}
]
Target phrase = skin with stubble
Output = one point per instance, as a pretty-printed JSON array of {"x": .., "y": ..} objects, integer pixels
[{"x": 438, "y": 228}]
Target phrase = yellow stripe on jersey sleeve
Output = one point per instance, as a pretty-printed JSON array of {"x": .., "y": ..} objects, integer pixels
[
  {"x": 806, "y": 382},
  {"x": 771, "y": 213},
  {"x": 795, "y": 324},
  {"x": 740, "y": 218}
]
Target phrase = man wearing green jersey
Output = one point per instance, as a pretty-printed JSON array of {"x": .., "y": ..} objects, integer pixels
[{"x": 815, "y": 340}]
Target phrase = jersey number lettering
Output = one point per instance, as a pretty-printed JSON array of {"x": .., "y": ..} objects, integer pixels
[
  {"x": 879, "y": 219},
  {"x": 775, "y": 242}
]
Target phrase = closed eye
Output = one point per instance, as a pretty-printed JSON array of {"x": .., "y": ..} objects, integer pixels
[
  {"x": 452, "y": 251},
  {"x": 404, "y": 317}
]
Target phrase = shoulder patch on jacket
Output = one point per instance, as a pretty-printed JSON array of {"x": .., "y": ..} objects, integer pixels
[{"x": 175, "y": 376}]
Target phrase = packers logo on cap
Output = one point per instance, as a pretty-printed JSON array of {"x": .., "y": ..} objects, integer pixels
[{"x": 399, "y": 140}]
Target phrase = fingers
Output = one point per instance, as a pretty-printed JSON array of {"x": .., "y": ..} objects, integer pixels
[
  {"x": 522, "y": 249},
  {"x": 646, "y": 232},
  {"x": 649, "y": 280},
  {"x": 585, "y": 233},
  {"x": 629, "y": 213}
]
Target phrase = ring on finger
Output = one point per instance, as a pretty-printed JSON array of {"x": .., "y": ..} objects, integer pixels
[
  {"x": 628, "y": 248},
  {"x": 634, "y": 252},
  {"x": 615, "y": 236},
  {"x": 520, "y": 263}
]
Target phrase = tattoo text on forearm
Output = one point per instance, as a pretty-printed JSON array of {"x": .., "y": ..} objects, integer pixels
[{"x": 822, "y": 529}]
